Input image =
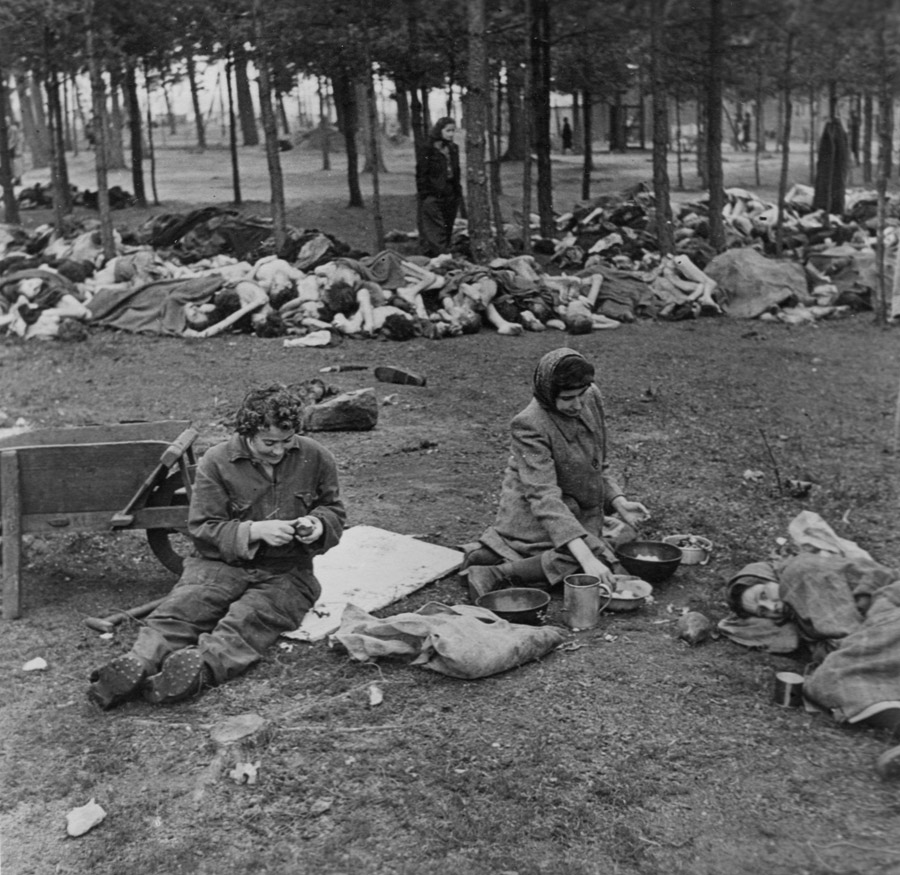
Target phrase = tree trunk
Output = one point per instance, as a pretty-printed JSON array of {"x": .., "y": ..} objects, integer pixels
[
  {"x": 370, "y": 135},
  {"x": 660, "y": 98},
  {"x": 232, "y": 132},
  {"x": 402, "y": 99},
  {"x": 868, "y": 128},
  {"x": 515, "y": 140},
  {"x": 480, "y": 240},
  {"x": 150, "y": 144},
  {"x": 115, "y": 148},
  {"x": 587, "y": 164},
  {"x": 98, "y": 95},
  {"x": 500, "y": 241},
  {"x": 540, "y": 58},
  {"x": 714, "y": 127},
  {"x": 885, "y": 119},
  {"x": 195, "y": 100},
  {"x": 785, "y": 141},
  {"x": 136, "y": 134},
  {"x": 10, "y": 204},
  {"x": 813, "y": 118},
  {"x": 270, "y": 129},
  {"x": 35, "y": 135},
  {"x": 323, "y": 125},
  {"x": 62, "y": 196},
  {"x": 345, "y": 102},
  {"x": 246, "y": 112},
  {"x": 702, "y": 162},
  {"x": 372, "y": 125}
]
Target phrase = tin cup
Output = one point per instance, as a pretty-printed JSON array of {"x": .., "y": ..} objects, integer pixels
[
  {"x": 584, "y": 598},
  {"x": 788, "y": 689}
]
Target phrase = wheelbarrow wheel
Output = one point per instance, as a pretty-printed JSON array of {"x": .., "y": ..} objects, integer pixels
[{"x": 170, "y": 545}]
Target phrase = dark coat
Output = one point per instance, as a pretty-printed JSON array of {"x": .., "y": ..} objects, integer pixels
[{"x": 432, "y": 177}]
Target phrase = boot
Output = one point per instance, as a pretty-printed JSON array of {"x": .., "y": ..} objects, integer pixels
[
  {"x": 486, "y": 578},
  {"x": 183, "y": 675},
  {"x": 117, "y": 681}
]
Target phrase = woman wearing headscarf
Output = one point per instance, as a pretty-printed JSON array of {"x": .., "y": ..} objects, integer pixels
[
  {"x": 557, "y": 488},
  {"x": 439, "y": 187}
]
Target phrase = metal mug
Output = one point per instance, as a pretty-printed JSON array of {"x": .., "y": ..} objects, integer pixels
[
  {"x": 583, "y": 600},
  {"x": 788, "y": 689}
]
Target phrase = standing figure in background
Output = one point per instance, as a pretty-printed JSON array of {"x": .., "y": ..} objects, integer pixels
[
  {"x": 566, "y": 136},
  {"x": 746, "y": 131},
  {"x": 439, "y": 188}
]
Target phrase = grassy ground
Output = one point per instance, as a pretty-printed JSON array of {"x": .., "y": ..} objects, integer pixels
[{"x": 628, "y": 752}]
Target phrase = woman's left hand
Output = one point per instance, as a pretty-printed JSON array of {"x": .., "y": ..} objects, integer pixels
[
  {"x": 308, "y": 529},
  {"x": 633, "y": 512}
]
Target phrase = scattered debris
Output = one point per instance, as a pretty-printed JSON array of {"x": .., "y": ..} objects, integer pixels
[
  {"x": 753, "y": 476},
  {"x": 376, "y": 696},
  {"x": 693, "y": 627},
  {"x": 36, "y": 664},
  {"x": 245, "y": 773},
  {"x": 82, "y": 820}
]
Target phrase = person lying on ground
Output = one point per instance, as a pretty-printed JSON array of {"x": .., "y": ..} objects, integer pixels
[
  {"x": 36, "y": 303},
  {"x": 242, "y": 306},
  {"x": 576, "y": 300},
  {"x": 845, "y": 614},
  {"x": 265, "y": 502},
  {"x": 557, "y": 488}
]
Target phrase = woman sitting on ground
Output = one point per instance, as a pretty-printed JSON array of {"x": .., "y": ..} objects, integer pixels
[{"x": 557, "y": 488}]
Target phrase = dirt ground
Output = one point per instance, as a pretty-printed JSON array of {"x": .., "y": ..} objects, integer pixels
[{"x": 627, "y": 753}]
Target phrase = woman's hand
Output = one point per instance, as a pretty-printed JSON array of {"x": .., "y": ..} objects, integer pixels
[
  {"x": 633, "y": 512},
  {"x": 274, "y": 532},
  {"x": 308, "y": 529},
  {"x": 595, "y": 567}
]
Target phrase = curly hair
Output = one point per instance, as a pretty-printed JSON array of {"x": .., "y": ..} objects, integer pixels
[{"x": 275, "y": 406}]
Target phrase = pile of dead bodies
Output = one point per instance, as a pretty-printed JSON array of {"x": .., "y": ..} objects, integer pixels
[{"x": 212, "y": 270}]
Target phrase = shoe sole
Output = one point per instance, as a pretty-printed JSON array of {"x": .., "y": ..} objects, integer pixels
[
  {"x": 181, "y": 677},
  {"x": 117, "y": 681}
]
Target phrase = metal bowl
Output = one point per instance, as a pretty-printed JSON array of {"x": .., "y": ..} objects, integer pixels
[
  {"x": 695, "y": 549},
  {"x": 518, "y": 604},
  {"x": 653, "y": 561},
  {"x": 631, "y": 593}
]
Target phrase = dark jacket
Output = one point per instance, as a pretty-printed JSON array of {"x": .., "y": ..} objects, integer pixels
[
  {"x": 433, "y": 179},
  {"x": 231, "y": 491}
]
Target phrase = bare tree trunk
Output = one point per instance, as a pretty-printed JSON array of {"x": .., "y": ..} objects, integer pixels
[
  {"x": 813, "y": 118},
  {"x": 137, "y": 134},
  {"x": 868, "y": 126},
  {"x": 402, "y": 99},
  {"x": 98, "y": 94},
  {"x": 115, "y": 148},
  {"x": 480, "y": 241},
  {"x": 587, "y": 164},
  {"x": 62, "y": 196},
  {"x": 664, "y": 233},
  {"x": 785, "y": 141},
  {"x": 515, "y": 141},
  {"x": 678, "y": 142},
  {"x": 150, "y": 144},
  {"x": 323, "y": 125},
  {"x": 495, "y": 185},
  {"x": 714, "y": 126},
  {"x": 527, "y": 137},
  {"x": 10, "y": 204},
  {"x": 540, "y": 58},
  {"x": 759, "y": 121},
  {"x": 246, "y": 112},
  {"x": 370, "y": 134},
  {"x": 885, "y": 118},
  {"x": 374, "y": 151},
  {"x": 35, "y": 135},
  {"x": 195, "y": 100},
  {"x": 270, "y": 129},
  {"x": 345, "y": 101},
  {"x": 232, "y": 132}
]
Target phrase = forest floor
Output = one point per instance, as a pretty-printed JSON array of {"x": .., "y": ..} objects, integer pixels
[{"x": 628, "y": 752}]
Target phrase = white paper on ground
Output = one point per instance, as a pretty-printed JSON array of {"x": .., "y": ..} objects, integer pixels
[{"x": 372, "y": 568}]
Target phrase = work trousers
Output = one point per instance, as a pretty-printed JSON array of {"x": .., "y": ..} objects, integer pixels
[
  {"x": 438, "y": 216},
  {"x": 232, "y": 614}
]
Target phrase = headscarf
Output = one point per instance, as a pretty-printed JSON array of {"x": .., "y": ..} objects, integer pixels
[{"x": 546, "y": 382}]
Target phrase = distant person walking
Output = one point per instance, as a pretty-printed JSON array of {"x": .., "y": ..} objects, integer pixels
[
  {"x": 439, "y": 188},
  {"x": 566, "y": 136},
  {"x": 854, "y": 136},
  {"x": 746, "y": 134}
]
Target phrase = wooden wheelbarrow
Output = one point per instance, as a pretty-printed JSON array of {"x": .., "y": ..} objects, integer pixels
[{"x": 94, "y": 479}]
